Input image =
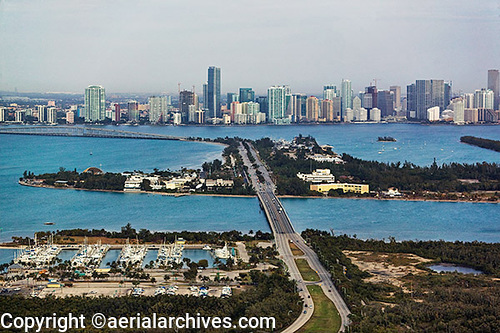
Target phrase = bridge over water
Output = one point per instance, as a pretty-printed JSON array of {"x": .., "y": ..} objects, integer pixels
[{"x": 90, "y": 132}]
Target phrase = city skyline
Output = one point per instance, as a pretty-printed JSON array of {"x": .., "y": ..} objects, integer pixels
[{"x": 269, "y": 45}]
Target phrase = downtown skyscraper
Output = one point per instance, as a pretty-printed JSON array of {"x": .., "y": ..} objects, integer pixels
[
  {"x": 494, "y": 85},
  {"x": 95, "y": 103},
  {"x": 425, "y": 94},
  {"x": 276, "y": 98},
  {"x": 213, "y": 92},
  {"x": 346, "y": 95}
]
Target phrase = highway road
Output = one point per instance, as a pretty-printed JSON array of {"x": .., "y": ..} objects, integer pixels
[{"x": 284, "y": 233}]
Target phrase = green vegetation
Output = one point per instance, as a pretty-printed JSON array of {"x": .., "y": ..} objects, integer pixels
[
  {"x": 85, "y": 180},
  {"x": 271, "y": 295},
  {"x": 308, "y": 274},
  {"x": 480, "y": 142},
  {"x": 146, "y": 236},
  {"x": 429, "y": 302},
  {"x": 406, "y": 176},
  {"x": 325, "y": 318}
]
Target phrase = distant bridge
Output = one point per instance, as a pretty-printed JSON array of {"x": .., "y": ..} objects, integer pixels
[{"x": 88, "y": 132}]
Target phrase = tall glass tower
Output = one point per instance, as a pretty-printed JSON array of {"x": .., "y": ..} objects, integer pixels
[
  {"x": 346, "y": 94},
  {"x": 213, "y": 92},
  {"x": 95, "y": 103}
]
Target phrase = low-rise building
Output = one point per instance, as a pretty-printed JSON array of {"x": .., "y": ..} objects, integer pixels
[
  {"x": 211, "y": 183},
  {"x": 326, "y": 158},
  {"x": 318, "y": 176},
  {"x": 345, "y": 187}
]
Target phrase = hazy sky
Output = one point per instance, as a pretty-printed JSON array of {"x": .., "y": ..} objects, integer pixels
[{"x": 151, "y": 45}]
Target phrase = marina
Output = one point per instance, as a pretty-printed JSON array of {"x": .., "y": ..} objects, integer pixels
[
  {"x": 132, "y": 255},
  {"x": 38, "y": 255},
  {"x": 90, "y": 255},
  {"x": 170, "y": 254}
]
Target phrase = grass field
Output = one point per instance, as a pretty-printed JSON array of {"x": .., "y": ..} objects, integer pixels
[
  {"x": 295, "y": 250},
  {"x": 325, "y": 317},
  {"x": 306, "y": 271}
]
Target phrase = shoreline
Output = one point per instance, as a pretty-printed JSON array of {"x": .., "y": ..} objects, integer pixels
[{"x": 253, "y": 196}]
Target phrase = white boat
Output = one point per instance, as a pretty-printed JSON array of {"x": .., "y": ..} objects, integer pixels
[{"x": 207, "y": 248}]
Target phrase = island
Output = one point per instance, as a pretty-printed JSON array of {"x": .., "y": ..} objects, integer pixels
[
  {"x": 481, "y": 142},
  {"x": 386, "y": 139}
]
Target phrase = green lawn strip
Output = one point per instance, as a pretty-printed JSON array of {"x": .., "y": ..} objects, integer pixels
[
  {"x": 306, "y": 271},
  {"x": 325, "y": 318}
]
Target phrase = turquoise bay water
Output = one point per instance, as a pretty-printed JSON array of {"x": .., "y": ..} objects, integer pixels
[
  {"x": 416, "y": 143},
  {"x": 23, "y": 210},
  {"x": 380, "y": 219}
]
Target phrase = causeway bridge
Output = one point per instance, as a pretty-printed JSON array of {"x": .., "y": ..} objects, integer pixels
[{"x": 90, "y": 132}]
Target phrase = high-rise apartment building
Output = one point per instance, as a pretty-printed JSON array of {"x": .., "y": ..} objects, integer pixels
[
  {"x": 158, "y": 108},
  {"x": 494, "y": 85},
  {"x": 312, "y": 108},
  {"x": 396, "y": 90},
  {"x": 276, "y": 99},
  {"x": 330, "y": 92},
  {"x": 95, "y": 103},
  {"x": 186, "y": 98},
  {"x": 247, "y": 95},
  {"x": 458, "y": 107},
  {"x": 52, "y": 115},
  {"x": 42, "y": 113},
  {"x": 133, "y": 111},
  {"x": 327, "y": 110},
  {"x": 484, "y": 99},
  {"x": 213, "y": 92},
  {"x": 371, "y": 91},
  {"x": 385, "y": 102},
  {"x": 346, "y": 94},
  {"x": 232, "y": 97}
]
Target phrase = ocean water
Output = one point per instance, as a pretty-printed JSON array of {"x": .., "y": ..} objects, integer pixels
[
  {"x": 23, "y": 210},
  {"x": 419, "y": 144},
  {"x": 423, "y": 220}
]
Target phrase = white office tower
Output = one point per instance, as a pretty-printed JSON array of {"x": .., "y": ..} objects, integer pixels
[
  {"x": 2, "y": 114},
  {"x": 157, "y": 108},
  {"x": 458, "y": 107},
  {"x": 433, "y": 113},
  {"x": 95, "y": 103},
  {"x": 349, "y": 115},
  {"x": 375, "y": 115}
]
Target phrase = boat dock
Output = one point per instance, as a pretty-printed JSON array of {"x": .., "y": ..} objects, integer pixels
[
  {"x": 132, "y": 255},
  {"x": 169, "y": 254},
  {"x": 38, "y": 256},
  {"x": 90, "y": 255}
]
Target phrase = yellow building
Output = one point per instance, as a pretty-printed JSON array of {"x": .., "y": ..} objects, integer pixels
[{"x": 325, "y": 188}]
